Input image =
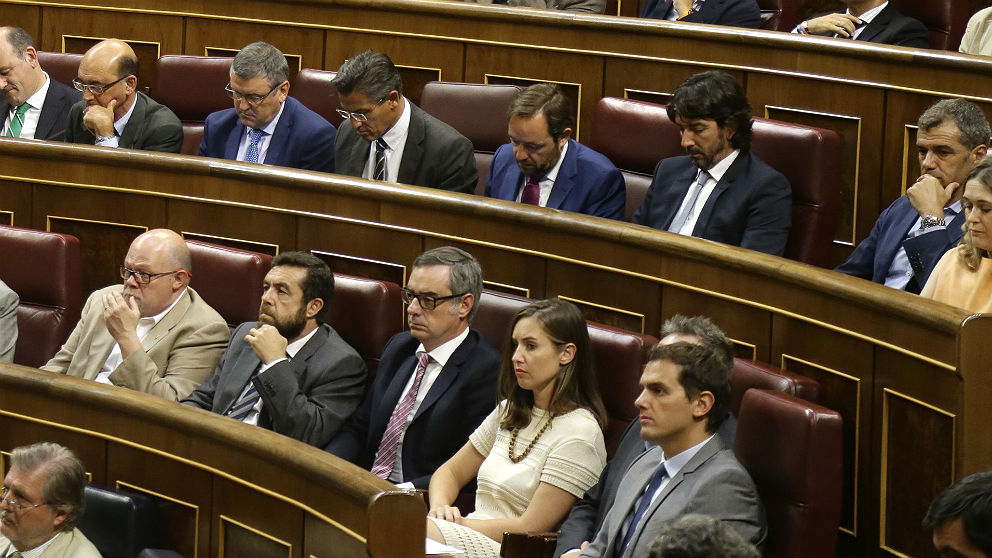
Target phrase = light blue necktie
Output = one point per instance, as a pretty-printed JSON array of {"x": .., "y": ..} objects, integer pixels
[
  {"x": 254, "y": 138},
  {"x": 693, "y": 197}
]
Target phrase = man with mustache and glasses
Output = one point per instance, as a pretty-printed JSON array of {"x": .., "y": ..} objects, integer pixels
[
  {"x": 720, "y": 191},
  {"x": 435, "y": 383},
  {"x": 289, "y": 372},
  {"x": 155, "y": 335}
]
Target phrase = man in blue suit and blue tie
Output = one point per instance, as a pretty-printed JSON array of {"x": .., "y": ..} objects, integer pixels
[
  {"x": 543, "y": 166},
  {"x": 912, "y": 234},
  {"x": 266, "y": 125}
]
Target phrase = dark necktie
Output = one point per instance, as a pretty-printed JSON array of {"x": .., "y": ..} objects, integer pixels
[
  {"x": 380, "y": 159},
  {"x": 532, "y": 192},
  {"x": 642, "y": 505},
  {"x": 243, "y": 407}
]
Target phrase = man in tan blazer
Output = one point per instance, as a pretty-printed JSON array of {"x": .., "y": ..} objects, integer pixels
[
  {"x": 155, "y": 335},
  {"x": 41, "y": 503}
]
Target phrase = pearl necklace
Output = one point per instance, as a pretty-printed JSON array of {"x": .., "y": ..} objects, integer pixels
[{"x": 513, "y": 442}]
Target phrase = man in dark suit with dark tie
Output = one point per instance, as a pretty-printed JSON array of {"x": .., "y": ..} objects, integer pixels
[
  {"x": 720, "y": 191},
  {"x": 912, "y": 234},
  {"x": 113, "y": 113},
  {"x": 266, "y": 125},
  {"x": 33, "y": 105},
  {"x": 587, "y": 514},
  {"x": 435, "y": 383},
  {"x": 542, "y": 165},
  {"x": 735, "y": 13},
  {"x": 386, "y": 137},
  {"x": 874, "y": 21},
  {"x": 289, "y": 372}
]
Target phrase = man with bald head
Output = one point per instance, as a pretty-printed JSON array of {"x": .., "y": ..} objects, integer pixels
[
  {"x": 155, "y": 335},
  {"x": 33, "y": 105},
  {"x": 113, "y": 113}
]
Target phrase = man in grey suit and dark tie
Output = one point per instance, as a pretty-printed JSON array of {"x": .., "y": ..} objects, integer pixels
[
  {"x": 685, "y": 398},
  {"x": 288, "y": 372},
  {"x": 386, "y": 137},
  {"x": 33, "y": 105}
]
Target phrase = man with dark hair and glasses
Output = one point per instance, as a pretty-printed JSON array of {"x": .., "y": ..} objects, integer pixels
[
  {"x": 33, "y": 105},
  {"x": 289, "y": 371},
  {"x": 961, "y": 518},
  {"x": 113, "y": 113},
  {"x": 155, "y": 335},
  {"x": 266, "y": 125},
  {"x": 40, "y": 503},
  {"x": 435, "y": 383},
  {"x": 386, "y": 137}
]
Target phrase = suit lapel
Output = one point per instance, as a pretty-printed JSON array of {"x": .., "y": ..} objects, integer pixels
[
  {"x": 135, "y": 124},
  {"x": 737, "y": 169},
  {"x": 679, "y": 190},
  {"x": 49, "y": 111},
  {"x": 565, "y": 180},
  {"x": 894, "y": 239},
  {"x": 234, "y": 139},
  {"x": 245, "y": 365},
  {"x": 168, "y": 321},
  {"x": 877, "y": 25},
  {"x": 413, "y": 151},
  {"x": 636, "y": 479},
  {"x": 391, "y": 397},
  {"x": 449, "y": 373},
  {"x": 4, "y": 113},
  {"x": 284, "y": 130}
]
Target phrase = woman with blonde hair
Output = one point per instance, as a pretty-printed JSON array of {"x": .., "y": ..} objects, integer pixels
[
  {"x": 963, "y": 276},
  {"x": 540, "y": 449}
]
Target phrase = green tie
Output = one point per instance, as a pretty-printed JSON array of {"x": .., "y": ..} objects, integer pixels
[{"x": 17, "y": 121}]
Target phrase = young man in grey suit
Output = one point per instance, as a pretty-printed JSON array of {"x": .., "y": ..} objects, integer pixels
[
  {"x": 685, "y": 399},
  {"x": 289, "y": 372},
  {"x": 386, "y": 137},
  {"x": 33, "y": 104},
  {"x": 113, "y": 113}
]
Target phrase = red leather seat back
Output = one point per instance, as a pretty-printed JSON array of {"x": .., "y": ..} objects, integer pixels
[
  {"x": 620, "y": 356},
  {"x": 946, "y": 19},
  {"x": 229, "y": 279},
  {"x": 61, "y": 66},
  {"x": 778, "y": 15},
  {"x": 496, "y": 311},
  {"x": 314, "y": 89},
  {"x": 792, "y": 450},
  {"x": 810, "y": 159},
  {"x": 750, "y": 374},
  {"x": 634, "y": 135},
  {"x": 43, "y": 268},
  {"x": 477, "y": 111},
  {"x": 366, "y": 313},
  {"x": 192, "y": 87}
]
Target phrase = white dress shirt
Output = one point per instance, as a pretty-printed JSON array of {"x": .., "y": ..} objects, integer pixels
[
  {"x": 716, "y": 173},
  {"x": 263, "y": 144},
  {"x": 547, "y": 181},
  {"x": 33, "y": 115},
  {"x": 395, "y": 138}
]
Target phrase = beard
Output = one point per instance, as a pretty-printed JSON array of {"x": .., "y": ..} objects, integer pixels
[{"x": 290, "y": 328}]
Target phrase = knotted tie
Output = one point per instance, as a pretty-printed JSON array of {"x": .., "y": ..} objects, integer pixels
[
  {"x": 17, "y": 121},
  {"x": 642, "y": 505},
  {"x": 254, "y": 138},
  {"x": 380, "y": 159},
  {"x": 243, "y": 407},
  {"x": 385, "y": 459},
  {"x": 688, "y": 208},
  {"x": 532, "y": 192}
]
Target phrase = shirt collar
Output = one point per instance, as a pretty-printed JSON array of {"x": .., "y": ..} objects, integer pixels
[
  {"x": 38, "y": 550},
  {"x": 871, "y": 14},
  {"x": 158, "y": 317},
  {"x": 443, "y": 352},
  {"x": 38, "y": 99},
  {"x": 720, "y": 168},
  {"x": 121, "y": 123},
  {"x": 553, "y": 173},
  {"x": 394, "y": 135},
  {"x": 270, "y": 128},
  {"x": 954, "y": 208},
  {"x": 675, "y": 463},
  {"x": 295, "y": 346}
]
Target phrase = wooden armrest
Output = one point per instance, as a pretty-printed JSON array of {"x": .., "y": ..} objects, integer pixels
[{"x": 528, "y": 545}]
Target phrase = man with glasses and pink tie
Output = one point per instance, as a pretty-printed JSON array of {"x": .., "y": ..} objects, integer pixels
[
  {"x": 434, "y": 384},
  {"x": 266, "y": 125},
  {"x": 155, "y": 334},
  {"x": 113, "y": 113}
]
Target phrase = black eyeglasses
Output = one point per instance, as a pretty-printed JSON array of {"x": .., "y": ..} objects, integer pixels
[
  {"x": 144, "y": 278},
  {"x": 250, "y": 98},
  {"x": 95, "y": 88},
  {"x": 14, "y": 505},
  {"x": 427, "y": 302}
]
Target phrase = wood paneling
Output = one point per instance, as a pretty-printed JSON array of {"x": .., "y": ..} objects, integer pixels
[
  {"x": 303, "y": 47},
  {"x": 103, "y": 247}
]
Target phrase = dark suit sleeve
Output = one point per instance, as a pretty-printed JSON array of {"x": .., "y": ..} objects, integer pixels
[
  {"x": 643, "y": 214},
  {"x": 861, "y": 262},
  {"x": 458, "y": 172},
  {"x": 614, "y": 200},
  {"x": 911, "y": 33},
  {"x": 769, "y": 216},
  {"x": 318, "y": 153},
  {"x": 204, "y": 150},
  {"x": 924, "y": 251},
  {"x": 203, "y": 396},
  {"x": 75, "y": 132},
  {"x": 163, "y": 132},
  {"x": 736, "y": 13},
  {"x": 313, "y": 416}
]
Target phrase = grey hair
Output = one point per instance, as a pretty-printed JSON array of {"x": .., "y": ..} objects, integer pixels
[
  {"x": 261, "y": 59},
  {"x": 970, "y": 120},
  {"x": 65, "y": 479},
  {"x": 464, "y": 271}
]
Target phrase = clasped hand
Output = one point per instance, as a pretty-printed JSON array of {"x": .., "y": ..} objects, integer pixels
[
  {"x": 267, "y": 342},
  {"x": 448, "y": 513},
  {"x": 841, "y": 24},
  {"x": 100, "y": 120}
]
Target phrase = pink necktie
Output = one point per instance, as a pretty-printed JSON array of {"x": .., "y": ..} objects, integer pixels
[
  {"x": 385, "y": 459},
  {"x": 532, "y": 192}
]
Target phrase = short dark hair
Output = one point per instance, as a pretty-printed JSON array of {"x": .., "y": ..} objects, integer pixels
[
  {"x": 700, "y": 536},
  {"x": 319, "y": 282},
  {"x": 371, "y": 73},
  {"x": 701, "y": 368},
  {"x": 714, "y": 95},
  {"x": 703, "y": 328},
  {"x": 464, "y": 271},
  {"x": 65, "y": 479},
  {"x": 18, "y": 39},
  {"x": 971, "y": 500},
  {"x": 967, "y": 116},
  {"x": 547, "y": 99},
  {"x": 261, "y": 59}
]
